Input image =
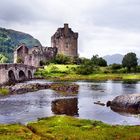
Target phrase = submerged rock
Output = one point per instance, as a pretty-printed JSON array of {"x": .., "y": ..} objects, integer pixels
[
  {"x": 126, "y": 103},
  {"x": 68, "y": 106},
  {"x": 24, "y": 87},
  {"x": 67, "y": 89}
]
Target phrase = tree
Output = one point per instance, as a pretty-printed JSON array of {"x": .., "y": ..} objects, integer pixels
[
  {"x": 98, "y": 61},
  {"x": 130, "y": 61},
  {"x": 3, "y": 59},
  {"x": 102, "y": 62}
]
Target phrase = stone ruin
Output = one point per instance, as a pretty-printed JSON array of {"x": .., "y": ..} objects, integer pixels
[
  {"x": 64, "y": 41},
  {"x": 34, "y": 56}
]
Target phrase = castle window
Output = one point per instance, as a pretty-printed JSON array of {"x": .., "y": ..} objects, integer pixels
[{"x": 67, "y": 45}]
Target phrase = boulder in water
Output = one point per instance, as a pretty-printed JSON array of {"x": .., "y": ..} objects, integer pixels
[{"x": 126, "y": 103}]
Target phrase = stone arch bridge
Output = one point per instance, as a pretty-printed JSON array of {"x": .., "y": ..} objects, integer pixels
[{"x": 10, "y": 73}]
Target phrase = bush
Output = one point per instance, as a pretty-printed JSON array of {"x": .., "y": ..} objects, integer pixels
[
  {"x": 19, "y": 60},
  {"x": 62, "y": 59},
  {"x": 116, "y": 66},
  {"x": 4, "y": 91},
  {"x": 122, "y": 70},
  {"x": 41, "y": 72},
  {"x": 54, "y": 69},
  {"x": 85, "y": 69},
  {"x": 138, "y": 69}
]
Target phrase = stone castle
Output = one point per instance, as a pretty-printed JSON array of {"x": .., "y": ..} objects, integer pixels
[{"x": 64, "y": 41}]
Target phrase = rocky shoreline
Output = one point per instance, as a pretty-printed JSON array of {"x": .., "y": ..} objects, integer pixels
[{"x": 21, "y": 88}]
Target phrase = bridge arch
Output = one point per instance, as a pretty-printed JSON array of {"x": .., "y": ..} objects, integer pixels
[
  {"x": 29, "y": 74},
  {"x": 22, "y": 76},
  {"x": 11, "y": 76}
]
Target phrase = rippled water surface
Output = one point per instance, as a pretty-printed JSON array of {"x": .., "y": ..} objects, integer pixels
[{"x": 43, "y": 103}]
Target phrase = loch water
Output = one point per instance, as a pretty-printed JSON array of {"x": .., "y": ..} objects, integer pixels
[{"x": 29, "y": 107}]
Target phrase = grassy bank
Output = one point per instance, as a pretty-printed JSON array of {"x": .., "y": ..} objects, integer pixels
[
  {"x": 68, "y": 73},
  {"x": 95, "y": 77},
  {"x": 68, "y": 128}
]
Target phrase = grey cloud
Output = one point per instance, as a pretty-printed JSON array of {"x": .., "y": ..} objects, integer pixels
[
  {"x": 104, "y": 26},
  {"x": 123, "y": 14}
]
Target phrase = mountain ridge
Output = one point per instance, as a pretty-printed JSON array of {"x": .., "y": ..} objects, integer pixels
[
  {"x": 10, "y": 39},
  {"x": 115, "y": 58}
]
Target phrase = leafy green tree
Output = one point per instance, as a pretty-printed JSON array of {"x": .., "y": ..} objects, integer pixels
[
  {"x": 130, "y": 61},
  {"x": 102, "y": 62},
  {"x": 98, "y": 61},
  {"x": 3, "y": 58}
]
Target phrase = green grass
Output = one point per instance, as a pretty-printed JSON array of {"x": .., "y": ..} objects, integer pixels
[
  {"x": 4, "y": 91},
  {"x": 67, "y": 73},
  {"x": 60, "y": 68},
  {"x": 68, "y": 128},
  {"x": 16, "y": 132}
]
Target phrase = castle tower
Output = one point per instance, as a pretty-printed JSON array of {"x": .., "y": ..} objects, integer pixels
[
  {"x": 20, "y": 53},
  {"x": 65, "y": 40}
]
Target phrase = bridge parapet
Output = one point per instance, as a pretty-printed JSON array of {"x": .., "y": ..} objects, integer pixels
[{"x": 15, "y": 72}]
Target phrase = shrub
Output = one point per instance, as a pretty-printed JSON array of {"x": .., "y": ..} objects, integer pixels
[
  {"x": 4, "y": 91},
  {"x": 19, "y": 60},
  {"x": 54, "y": 69},
  {"x": 116, "y": 66},
  {"x": 85, "y": 69},
  {"x": 62, "y": 59},
  {"x": 138, "y": 69},
  {"x": 122, "y": 70}
]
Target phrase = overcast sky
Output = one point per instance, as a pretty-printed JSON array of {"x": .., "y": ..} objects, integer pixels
[{"x": 104, "y": 26}]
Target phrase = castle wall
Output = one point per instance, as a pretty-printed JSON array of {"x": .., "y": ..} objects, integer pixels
[{"x": 39, "y": 54}]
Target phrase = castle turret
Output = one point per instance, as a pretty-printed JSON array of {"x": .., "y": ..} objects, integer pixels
[{"x": 65, "y": 40}]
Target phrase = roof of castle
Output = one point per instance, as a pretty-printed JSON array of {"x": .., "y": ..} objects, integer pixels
[
  {"x": 22, "y": 45},
  {"x": 61, "y": 33}
]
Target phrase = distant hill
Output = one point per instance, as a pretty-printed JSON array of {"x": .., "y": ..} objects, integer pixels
[
  {"x": 10, "y": 39},
  {"x": 115, "y": 58}
]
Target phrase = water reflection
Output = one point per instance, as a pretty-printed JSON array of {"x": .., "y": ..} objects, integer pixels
[
  {"x": 67, "y": 106},
  {"x": 131, "y": 111}
]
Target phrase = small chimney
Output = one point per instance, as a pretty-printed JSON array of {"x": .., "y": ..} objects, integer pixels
[
  {"x": 66, "y": 25},
  {"x": 66, "y": 28}
]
